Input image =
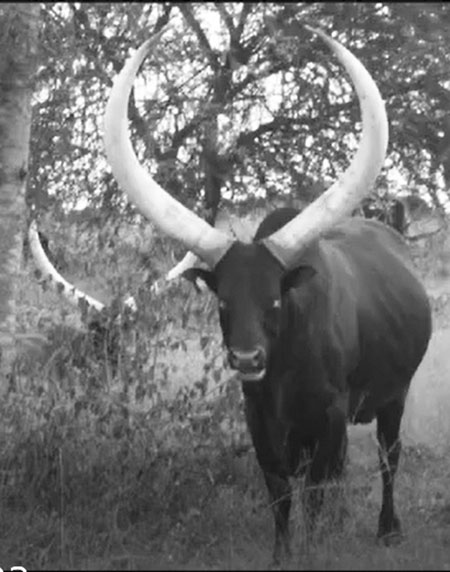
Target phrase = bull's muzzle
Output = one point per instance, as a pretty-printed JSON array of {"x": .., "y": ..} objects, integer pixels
[{"x": 251, "y": 365}]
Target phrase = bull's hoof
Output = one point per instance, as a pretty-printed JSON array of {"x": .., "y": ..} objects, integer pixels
[
  {"x": 391, "y": 539},
  {"x": 343, "y": 514},
  {"x": 279, "y": 563},
  {"x": 281, "y": 557},
  {"x": 390, "y": 534}
]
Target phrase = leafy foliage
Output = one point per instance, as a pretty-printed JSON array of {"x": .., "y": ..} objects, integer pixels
[{"x": 239, "y": 102}]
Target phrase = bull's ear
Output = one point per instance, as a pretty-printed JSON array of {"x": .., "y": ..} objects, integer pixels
[
  {"x": 296, "y": 276},
  {"x": 206, "y": 276}
]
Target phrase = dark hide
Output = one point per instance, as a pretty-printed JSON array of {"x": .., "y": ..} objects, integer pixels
[{"x": 342, "y": 345}]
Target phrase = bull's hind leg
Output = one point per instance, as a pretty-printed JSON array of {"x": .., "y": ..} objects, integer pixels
[{"x": 388, "y": 427}]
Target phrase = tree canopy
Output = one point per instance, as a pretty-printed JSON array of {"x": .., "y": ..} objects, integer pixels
[{"x": 239, "y": 103}]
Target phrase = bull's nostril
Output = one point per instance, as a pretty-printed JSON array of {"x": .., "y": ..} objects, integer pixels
[
  {"x": 232, "y": 359},
  {"x": 257, "y": 358}
]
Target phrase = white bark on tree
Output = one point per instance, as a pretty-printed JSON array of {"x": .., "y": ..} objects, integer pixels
[{"x": 19, "y": 30}]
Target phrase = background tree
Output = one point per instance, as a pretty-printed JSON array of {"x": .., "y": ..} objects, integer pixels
[
  {"x": 239, "y": 107},
  {"x": 18, "y": 47}
]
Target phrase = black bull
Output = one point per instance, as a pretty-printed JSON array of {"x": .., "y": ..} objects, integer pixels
[{"x": 338, "y": 339}]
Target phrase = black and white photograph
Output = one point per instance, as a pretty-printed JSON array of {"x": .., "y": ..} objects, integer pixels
[{"x": 224, "y": 286}]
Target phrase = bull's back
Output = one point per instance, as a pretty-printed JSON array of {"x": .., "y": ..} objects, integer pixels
[{"x": 371, "y": 265}]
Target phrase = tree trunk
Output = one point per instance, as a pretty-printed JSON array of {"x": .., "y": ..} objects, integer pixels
[{"x": 19, "y": 27}]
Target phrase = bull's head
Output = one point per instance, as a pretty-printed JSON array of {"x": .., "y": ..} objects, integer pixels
[{"x": 250, "y": 280}]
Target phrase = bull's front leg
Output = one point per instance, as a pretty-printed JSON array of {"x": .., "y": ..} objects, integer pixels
[
  {"x": 280, "y": 495},
  {"x": 327, "y": 462},
  {"x": 275, "y": 474}
]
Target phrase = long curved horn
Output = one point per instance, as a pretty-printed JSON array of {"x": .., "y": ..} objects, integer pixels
[
  {"x": 152, "y": 200},
  {"x": 42, "y": 262},
  {"x": 222, "y": 223},
  {"x": 188, "y": 261},
  {"x": 70, "y": 292},
  {"x": 345, "y": 194}
]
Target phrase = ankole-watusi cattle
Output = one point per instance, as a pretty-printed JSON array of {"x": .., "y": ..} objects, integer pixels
[{"x": 322, "y": 315}]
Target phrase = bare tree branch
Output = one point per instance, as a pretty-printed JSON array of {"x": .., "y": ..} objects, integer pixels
[
  {"x": 226, "y": 17},
  {"x": 246, "y": 10},
  {"x": 186, "y": 11}
]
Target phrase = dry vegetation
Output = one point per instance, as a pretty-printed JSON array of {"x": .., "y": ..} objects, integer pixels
[{"x": 146, "y": 464}]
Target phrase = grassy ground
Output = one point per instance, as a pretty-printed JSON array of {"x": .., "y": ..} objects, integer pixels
[
  {"x": 226, "y": 524},
  {"x": 100, "y": 470}
]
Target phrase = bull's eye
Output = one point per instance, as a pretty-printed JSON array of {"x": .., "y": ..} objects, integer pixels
[
  {"x": 272, "y": 317},
  {"x": 224, "y": 318}
]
